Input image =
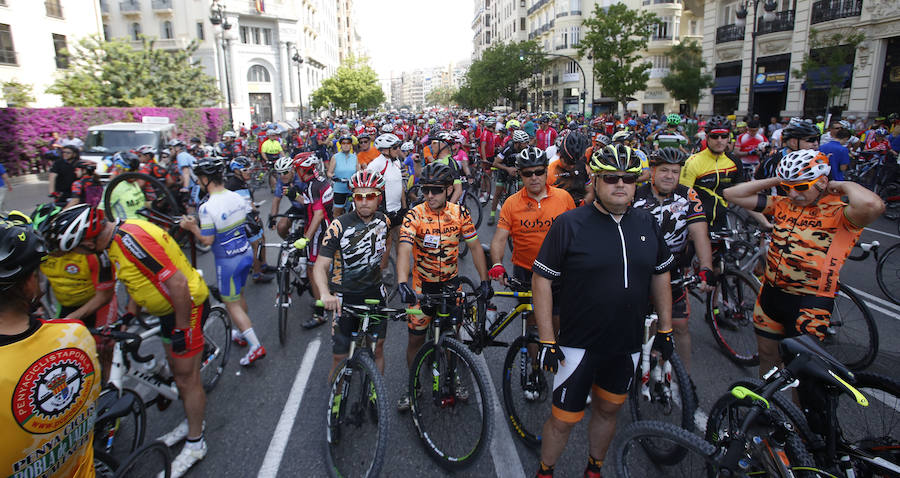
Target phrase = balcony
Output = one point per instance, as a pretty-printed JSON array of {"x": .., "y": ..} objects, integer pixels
[
  {"x": 574, "y": 13},
  {"x": 130, "y": 7},
  {"x": 537, "y": 6},
  {"x": 54, "y": 9},
  {"x": 727, "y": 33},
  {"x": 661, "y": 38},
  {"x": 783, "y": 22},
  {"x": 162, "y": 6},
  {"x": 825, "y": 10},
  {"x": 658, "y": 72}
]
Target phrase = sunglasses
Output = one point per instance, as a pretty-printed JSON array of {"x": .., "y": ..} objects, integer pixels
[
  {"x": 536, "y": 172},
  {"x": 365, "y": 196},
  {"x": 799, "y": 187},
  {"x": 811, "y": 139},
  {"x": 286, "y": 173},
  {"x": 614, "y": 178},
  {"x": 434, "y": 190},
  {"x": 717, "y": 136}
]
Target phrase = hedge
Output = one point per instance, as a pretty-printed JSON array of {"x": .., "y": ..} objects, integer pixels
[{"x": 26, "y": 133}]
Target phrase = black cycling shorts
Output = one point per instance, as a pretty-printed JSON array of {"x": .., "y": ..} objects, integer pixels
[
  {"x": 343, "y": 326},
  {"x": 340, "y": 199},
  {"x": 778, "y": 315},
  {"x": 607, "y": 376}
]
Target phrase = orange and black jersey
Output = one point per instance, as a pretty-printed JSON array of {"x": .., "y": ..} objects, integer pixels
[
  {"x": 356, "y": 248},
  {"x": 435, "y": 237}
]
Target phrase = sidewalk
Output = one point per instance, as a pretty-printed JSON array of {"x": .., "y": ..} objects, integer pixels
[{"x": 28, "y": 191}]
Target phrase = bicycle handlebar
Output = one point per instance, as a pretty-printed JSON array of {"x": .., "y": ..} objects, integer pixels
[
  {"x": 132, "y": 342},
  {"x": 373, "y": 306}
]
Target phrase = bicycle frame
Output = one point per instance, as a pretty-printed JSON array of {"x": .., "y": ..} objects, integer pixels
[
  {"x": 122, "y": 371},
  {"x": 488, "y": 337}
]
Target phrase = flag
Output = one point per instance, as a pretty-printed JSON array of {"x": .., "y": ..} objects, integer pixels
[{"x": 260, "y": 6}]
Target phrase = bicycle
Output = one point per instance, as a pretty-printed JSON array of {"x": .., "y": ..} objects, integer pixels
[
  {"x": 355, "y": 403},
  {"x": 291, "y": 273}
]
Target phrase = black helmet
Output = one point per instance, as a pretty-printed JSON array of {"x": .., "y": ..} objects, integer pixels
[
  {"x": 209, "y": 167},
  {"x": 531, "y": 157},
  {"x": 573, "y": 147},
  {"x": 21, "y": 252},
  {"x": 240, "y": 162},
  {"x": 43, "y": 215},
  {"x": 436, "y": 173},
  {"x": 668, "y": 156},
  {"x": 799, "y": 129},
  {"x": 126, "y": 161},
  {"x": 86, "y": 165},
  {"x": 615, "y": 157},
  {"x": 718, "y": 122}
]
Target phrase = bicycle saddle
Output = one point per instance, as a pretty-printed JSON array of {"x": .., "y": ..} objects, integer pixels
[{"x": 804, "y": 355}]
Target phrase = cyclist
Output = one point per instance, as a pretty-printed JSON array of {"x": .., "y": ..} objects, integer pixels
[
  {"x": 237, "y": 182},
  {"x": 710, "y": 171},
  {"x": 679, "y": 213},
  {"x": 162, "y": 281},
  {"x": 432, "y": 232},
  {"x": 49, "y": 380},
  {"x": 545, "y": 135},
  {"x": 288, "y": 184},
  {"x": 795, "y": 136},
  {"x": 814, "y": 231},
  {"x": 222, "y": 219},
  {"x": 271, "y": 150},
  {"x": 128, "y": 196},
  {"x": 612, "y": 261},
  {"x": 505, "y": 168},
  {"x": 669, "y": 137},
  {"x": 366, "y": 152},
  {"x": 629, "y": 139},
  {"x": 352, "y": 249},
  {"x": 570, "y": 171},
  {"x": 88, "y": 188},
  {"x": 441, "y": 144},
  {"x": 343, "y": 164}
]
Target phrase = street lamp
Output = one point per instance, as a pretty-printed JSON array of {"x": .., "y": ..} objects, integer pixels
[
  {"x": 217, "y": 17},
  {"x": 741, "y": 20},
  {"x": 299, "y": 61},
  {"x": 523, "y": 54}
]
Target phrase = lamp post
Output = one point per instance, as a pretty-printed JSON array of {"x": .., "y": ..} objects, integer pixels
[
  {"x": 523, "y": 54},
  {"x": 741, "y": 20},
  {"x": 217, "y": 17},
  {"x": 299, "y": 61}
]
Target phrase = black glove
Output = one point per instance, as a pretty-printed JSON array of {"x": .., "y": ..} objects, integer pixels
[
  {"x": 485, "y": 291},
  {"x": 550, "y": 356},
  {"x": 707, "y": 275},
  {"x": 406, "y": 293},
  {"x": 291, "y": 193},
  {"x": 179, "y": 344},
  {"x": 271, "y": 222},
  {"x": 664, "y": 343}
]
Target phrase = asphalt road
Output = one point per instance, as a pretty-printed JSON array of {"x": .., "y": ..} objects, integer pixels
[{"x": 269, "y": 419}]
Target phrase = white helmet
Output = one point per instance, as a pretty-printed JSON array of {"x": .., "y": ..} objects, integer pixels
[
  {"x": 803, "y": 165},
  {"x": 283, "y": 164},
  {"x": 388, "y": 128},
  {"x": 229, "y": 134},
  {"x": 520, "y": 136},
  {"x": 386, "y": 141},
  {"x": 407, "y": 147}
]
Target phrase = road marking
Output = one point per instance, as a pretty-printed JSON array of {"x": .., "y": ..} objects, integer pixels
[
  {"x": 272, "y": 461},
  {"x": 700, "y": 417},
  {"x": 503, "y": 450},
  {"x": 893, "y": 314},
  {"x": 884, "y": 398},
  {"x": 882, "y": 232}
]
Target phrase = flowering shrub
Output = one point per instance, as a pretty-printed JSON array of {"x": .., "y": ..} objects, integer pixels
[{"x": 27, "y": 133}]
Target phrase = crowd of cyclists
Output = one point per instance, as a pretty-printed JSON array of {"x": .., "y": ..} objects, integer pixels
[{"x": 601, "y": 216}]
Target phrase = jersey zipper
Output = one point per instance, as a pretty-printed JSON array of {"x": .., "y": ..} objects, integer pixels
[{"x": 624, "y": 254}]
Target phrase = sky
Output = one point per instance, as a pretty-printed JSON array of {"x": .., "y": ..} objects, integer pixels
[{"x": 402, "y": 35}]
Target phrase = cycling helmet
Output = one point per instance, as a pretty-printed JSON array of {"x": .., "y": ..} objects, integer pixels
[
  {"x": 881, "y": 132},
  {"x": 520, "y": 136},
  {"x": 436, "y": 173},
  {"x": 363, "y": 135},
  {"x": 366, "y": 179},
  {"x": 175, "y": 142},
  {"x": 530, "y": 157},
  {"x": 388, "y": 128},
  {"x": 407, "y": 146},
  {"x": 673, "y": 120},
  {"x": 386, "y": 141},
  {"x": 126, "y": 161},
  {"x": 458, "y": 138},
  {"x": 513, "y": 124},
  {"x": 622, "y": 136},
  {"x": 442, "y": 136},
  {"x": 345, "y": 137},
  {"x": 668, "y": 156},
  {"x": 632, "y": 123},
  {"x": 43, "y": 215},
  {"x": 209, "y": 167},
  {"x": 615, "y": 157},
  {"x": 597, "y": 124},
  {"x": 602, "y": 139},
  {"x": 573, "y": 147},
  {"x": 272, "y": 132},
  {"x": 87, "y": 166},
  {"x": 229, "y": 134},
  {"x": 72, "y": 226},
  {"x": 803, "y": 165},
  {"x": 799, "y": 130},
  {"x": 283, "y": 164},
  {"x": 490, "y": 121},
  {"x": 21, "y": 252},
  {"x": 147, "y": 149},
  {"x": 306, "y": 161},
  {"x": 239, "y": 163},
  {"x": 718, "y": 124},
  {"x": 18, "y": 217}
]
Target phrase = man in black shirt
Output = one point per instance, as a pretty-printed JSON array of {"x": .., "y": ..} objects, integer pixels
[
  {"x": 62, "y": 174},
  {"x": 505, "y": 166},
  {"x": 611, "y": 261}
]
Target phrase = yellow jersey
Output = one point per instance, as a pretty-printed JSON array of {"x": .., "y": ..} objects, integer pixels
[{"x": 75, "y": 278}]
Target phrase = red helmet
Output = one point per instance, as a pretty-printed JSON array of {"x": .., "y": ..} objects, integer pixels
[
  {"x": 366, "y": 179},
  {"x": 305, "y": 161}
]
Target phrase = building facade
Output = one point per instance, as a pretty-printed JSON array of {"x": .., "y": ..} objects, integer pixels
[
  {"x": 34, "y": 38},
  {"x": 497, "y": 21},
  {"x": 872, "y": 71}
]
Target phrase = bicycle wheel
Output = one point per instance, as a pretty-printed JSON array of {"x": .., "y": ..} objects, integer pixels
[
  {"x": 283, "y": 301},
  {"x": 729, "y": 313},
  {"x": 358, "y": 419},
  {"x": 121, "y": 422},
  {"x": 888, "y": 273},
  {"x": 852, "y": 335},
  {"x": 874, "y": 429},
  {"x": 454, "y": 414},
  {"x": 663, "y": 393},
  {"x": 630, "y": 457},
  {"x": 471, "y": 204},
  {"x": 472, "y": 328},
  {"x": 782, "y": 402},
  {"x": 217, "y": 346},
  {"x": 151, "y": 460},
  {"x": 527, "y": 390},
  {"x": 162, "y": 208}
]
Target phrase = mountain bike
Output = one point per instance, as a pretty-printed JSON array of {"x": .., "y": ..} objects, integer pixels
[
  {"x": 358, "y": 415},
  {"x": 291, "y": 273}
]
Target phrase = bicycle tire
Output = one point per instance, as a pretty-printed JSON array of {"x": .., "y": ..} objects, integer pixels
[
  {"x": 216, "y": 347},
  {"x": 471, "y": 203},
  {"x": 642, "y": 409},
  {"x": 852, "y": 336},
  {"x": 121, "y": 433},
  {"x": 171, "y": 207},
  {"x": 152, "y": 459},
  {"x": 364, "y": 371},
  {"x": 526, "y": 417},
  {"x": 462, "y": 358},
  {"x": 734, "y": 298},
  {"x": 104, "y": 464},
  {"x": 875, "y": 428},
  {"x": 283, "y": 302},
  {"x": 784, "y": 405},
  {"x": 698, "y": 456},
  {"x": 887, "y": 273}
]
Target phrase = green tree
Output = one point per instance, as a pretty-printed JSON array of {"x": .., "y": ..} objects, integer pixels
[
  {"x": 353, "y": 82},
  {"x": 113, "y": 73},
  {"x": 686, "y": 78},
  {"x": 500, "y": 73},
  {"x": 17, "y": 94},
  {"x": 615, "y": 36},
  {"x": 441, "y": 96},
  {"x": 828, "y": 53}
]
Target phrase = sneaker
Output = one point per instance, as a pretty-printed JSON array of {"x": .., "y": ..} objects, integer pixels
[
  {"x": 178, "y": 434},
  {"x": 188, "y": 457},
  {"x": 530, "y": 390},
  {"x": 253, "y": 355},
  {"x": 266, "y": 268},
  {"x": 238, "y": 338},
  {"x": 262, "y": 278},
  {"x": 403, "y": 403},
  {"x": 492, "y": 219}
]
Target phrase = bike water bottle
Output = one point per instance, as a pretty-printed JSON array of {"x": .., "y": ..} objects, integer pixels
[
  {"x": 301, "y": 267},
  {"x": 491, "y": 312}
]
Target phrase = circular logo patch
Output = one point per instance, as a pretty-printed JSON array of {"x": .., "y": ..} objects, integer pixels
[
  {"x": 52, "y": 390},
  {"x": 72, "y": 269}
]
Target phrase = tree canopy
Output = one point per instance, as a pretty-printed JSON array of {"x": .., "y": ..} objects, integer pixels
[
  {"x": 500, "y": 74},
  {"x": 16, "y": 94},
  {"x": 686, "y": 78},
  {"x": 614, "y": 37},
  {"x": 353, "y": 82},
  {"x": 113, "y": 73},
  {"x": 823, "y": 66}
]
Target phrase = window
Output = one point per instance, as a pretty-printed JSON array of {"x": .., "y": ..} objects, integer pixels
[
  {"x": 571, "y": 67},
  {"x": 663, "y": 29},
  {"x": 574, "y": 5},
  {"x": 106, "y": 32},
  {"x": 259, "y": 74},
  {"x": 575, "y": 36},
  {"x": 7, "y": 51},
  {"x": 245, "y": 35},
  {"x": 522, "y": 24},
  {"x": 693, "y": 25},
  {"x": 267, "y": 36},
  {"x": 256, "y": 35},
  {"x": 200, "y": 33},
  {"x": 62, "y": 55},
  {"x": 726, "y": 15},
  {"x": 54, "y": 9},
  {"x": 166, "y": 30},
  {"x": 135, "y": 31}
]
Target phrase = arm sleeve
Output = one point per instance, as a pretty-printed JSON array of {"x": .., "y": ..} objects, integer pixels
[
  {"x": 664, "y": 257},
  {"x": 207, "y": 224},
  {"x": 146, "y": 253},
  {"x": 331, "y": 241},
  {"x": 549, "y": 261},
  {"x": 695, "y": 207},
  {"x": 102, "y": 271},
  {"x": 466, "y": 229}
]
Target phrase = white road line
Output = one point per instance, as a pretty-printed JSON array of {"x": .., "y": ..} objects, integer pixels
[
  {"x": 882, "y": 232},
  {"x": 700, "y": 417},
  {"x": 503, "y": 449},
  {"x": 282, "y": 433},
  {"x": 893, "y": 313},
  {"x": 884, "y": 398}
]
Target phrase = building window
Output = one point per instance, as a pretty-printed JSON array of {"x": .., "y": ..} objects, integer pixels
[
  {"x": 258, "y": 74},
  {"x": 693, "y": 25},
  {"x": 726, "y": 15},
  {"x": 575, "y": 36},
  {"x": 256, "y": 35},
  {"x": 54, "y": 9},
  {"x": 245, "y": 35},
  {"x": 574, "y": 5},
  {"x": 663, "y": 29},
  {"x": 267, "y": 36},
  {"x": 571, "y": 67},
  {"x": 62, "y": 55},
  {"x": 200, "y": 33},
  {"x": 522, "y": 24},
  {"x": 106, "y": 32},
  {"x": 166, "y": 30},
  {"x": 7, "y": 51},
  {"x": 135, "y": 31}
]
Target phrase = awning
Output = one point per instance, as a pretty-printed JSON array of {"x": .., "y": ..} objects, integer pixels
[
  {"x": 820, "y": 78},
  {"x": 770, "y": 82},
  {"x": 726, "y": 85}
]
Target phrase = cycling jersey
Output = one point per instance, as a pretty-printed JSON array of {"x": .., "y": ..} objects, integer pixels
[
  {"x": 574, "y": 181},
  {"x": 545, "y": 137},
  {"x": 271, "y": 146},
  {"x": 145, "y": 257},
  {"x": 318, "y": 196},
  {"x": 528, "y": 221},
  {"x": 126, "y": 200},
  {"x": 390, "y": 170},
  {"x": 748, "y": 144},
  {"x": 366, "y": 157},
  {"x": 49, "y": 383},
  {"x": 670, "y": 139},
  {"x": 295, "y": 183},
  {"x": 223, "y": 216},
  {"x": 356, "y": 248},
  {"x": 489, "y": 140},
  {"x": 809, "y": 244},
  {"x": 709, "y": 174},
  {"x": 674, "y": 214},
  {"x": 75, "y": 278},
  {"x": 435, "y": 237},
  {"x": 508, "y": 155},
  {"x": 88, "y": 190}
]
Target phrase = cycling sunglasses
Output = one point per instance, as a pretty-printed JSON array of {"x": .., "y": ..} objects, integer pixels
[
  {"x": 614, "y": 178},
  {"x": 365, "y": 196},
  {"x": 799, "y": 187},
  {"x": 435, "y": 190},
  {"x": 537, "y": 172},
  {"x": 717, "y": 136}
]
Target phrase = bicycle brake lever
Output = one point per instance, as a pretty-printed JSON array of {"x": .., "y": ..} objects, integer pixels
[{"x": 793, "y": 384}]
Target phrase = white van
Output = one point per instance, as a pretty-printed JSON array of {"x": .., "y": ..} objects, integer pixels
[{"x": 105, "y": 140}]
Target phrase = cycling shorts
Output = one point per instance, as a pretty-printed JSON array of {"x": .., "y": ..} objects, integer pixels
[
  {"x": 232, "y": 274},
  {"x": 501, "y": 177},
  {"x": 778, "y": 315},
  {"x": 343, "y": 326},
  {"x": 586, "y": 371},
  {"x": 102, "y": 316},
  {"x": 193, "y": 339},
  {"x": 341, "y": 199},
  {"x": 418, "y": 324}
]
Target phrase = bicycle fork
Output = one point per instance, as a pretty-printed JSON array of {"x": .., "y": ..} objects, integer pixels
[{"x": 656, "y": 378}]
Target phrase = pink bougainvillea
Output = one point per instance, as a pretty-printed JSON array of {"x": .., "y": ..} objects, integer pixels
[{"x": 27, "y": 133}]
